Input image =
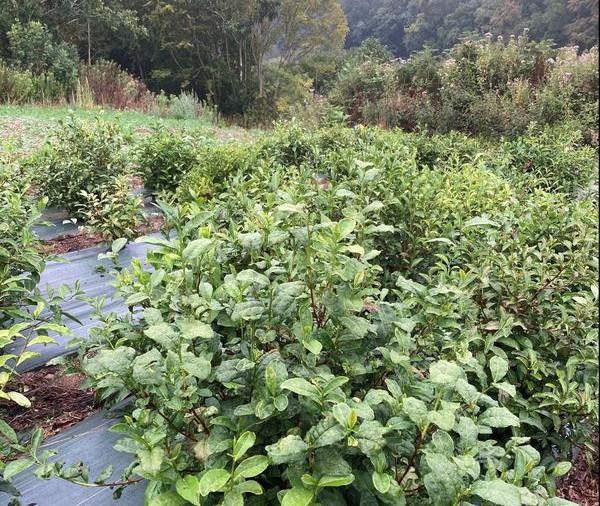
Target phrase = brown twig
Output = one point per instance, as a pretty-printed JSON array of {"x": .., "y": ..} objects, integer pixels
[
  {"x": 546, "y": 285},
  {"x": 412, "y": 459},
  {"x": 110, "y": 485}
]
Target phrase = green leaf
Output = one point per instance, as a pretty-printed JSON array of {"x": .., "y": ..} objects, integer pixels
[
  {"x": 189, "y": 488},
  {"x": 506, "y": 387},
  {"x": 559, "y": 501},
  {"x": 136, "y": 298},
  {"x": 243, "y": 444},
  {"x": 444, "y": 419},
  {"x": 196, "y": 366},
  {"x": 468, "y": 432},
  {"x": 196, "y": 249},
  {"x": 479, "y": 221},
  {"x": 498, "y": 367},
  {"x": 233, "y": 498},
  {"x": 193, "y": 329},
  {"x": 382, "y": 482},
  {"x": 118, "y": 245},
  {"x": 281, "y": 402},
  {"x": 345, "y": 227},
  {"x": 104, "y": 475},
  {"x": 301, "y": 387},
  {"x": 151, "y": 460},
  {"x": 336, "y": 481},
  {"x": 297, "y": 497},
  {"x": 19, "y": 399},
  {"x": 250, "y": 276},
  {"x": 498, "y": 418},
  {"x": 249, "y": 487},
  {"x": 250, "y": 241},
  {"x": 248, "y": 311},
  {"x": 288, "y": 449},
  {"x": 444, "y": 482},
  {"x": 313, "y": 346},
  {"x": 8, "y": 432},
  {"x": 162, "y": 334},
  {"x": 415, "y": 409},
  {"x": 251, "y": 467},
  {"x": 213, "y": 480},
  {"x": 42, "y": 340},
  {"x": 497, "y": 492},
  {"x": 17, "y": 466},
  {"x": 445, "y": 373},
  {"x": 561, "y": 468},
  {"x": 169, "y": 498}
]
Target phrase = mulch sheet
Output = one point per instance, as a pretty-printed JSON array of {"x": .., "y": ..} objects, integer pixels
[
  {"x": 82, "y": 240},
  {"x": 57, "y": 401},
  {"x": 581, "y": 485}
]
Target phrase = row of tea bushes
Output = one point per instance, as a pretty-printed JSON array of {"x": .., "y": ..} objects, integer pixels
[{"x": 359, "y": 317}]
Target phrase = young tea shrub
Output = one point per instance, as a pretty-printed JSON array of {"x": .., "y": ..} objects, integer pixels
[
  {"x": 80, "y": 158},
  {"x": 111, "y": 211},
  {"x": 214, "y": 166},
  {"x": 276, "y": 357},
  {"x": 354, "y": 317},
  {"x": 554, "y": 159},
  {"x": 164, "y": 157},
  {"x": 26, "y": 315}
]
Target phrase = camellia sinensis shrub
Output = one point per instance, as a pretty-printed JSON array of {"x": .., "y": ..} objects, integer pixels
[
  {"x": 214, "y": 166},
  {"x": 278, "y": 352},
  {"x": 27, "y": 315},
  {"x": 553, "y": 159},
  {"x": 164, "y": 157},
  {"x": 268, "y": 366},
  {"x": 81, "y": 158}
]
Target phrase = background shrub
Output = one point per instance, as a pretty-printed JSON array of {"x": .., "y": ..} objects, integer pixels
[
  {"x": 80, "y": 157},
  {"x": 109, "y": 86},
  {"x": 481, "y": 86},
  {"x": 164, "y": 157}
]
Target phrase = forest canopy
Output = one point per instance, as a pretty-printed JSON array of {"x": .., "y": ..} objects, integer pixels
[
  {"x": 241, "y": 54},
  {"x": 409, "y": 25}
]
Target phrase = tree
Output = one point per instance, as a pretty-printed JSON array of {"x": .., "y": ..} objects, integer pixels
[
  {"x": 263, "y": 36},
  {"x": 583, "y": 30},
  {"x": 33, "y": 47},
  {"x": 309, "y": 25}
]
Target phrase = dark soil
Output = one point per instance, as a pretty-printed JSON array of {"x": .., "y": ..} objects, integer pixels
[
  {"x": 83, "y": 239},
  {"x": 581, "y": 485},
  {"x": 136, "y": 182},
  {"x": 57, "y": 401}
]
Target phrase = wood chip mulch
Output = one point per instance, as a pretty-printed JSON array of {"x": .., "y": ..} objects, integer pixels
[
  {"x": 582, "y": 484},
  {"x": 81, "y": 240},
  {"x": 57, "y": 401}
]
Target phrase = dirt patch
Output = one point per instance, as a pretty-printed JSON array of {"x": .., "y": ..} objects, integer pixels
[
  {"x": 82, "y": 240},
  {"x": 57, "y": 401},
  {"x": 136, "y": 182},
  {"x": 581, "y": 485}
]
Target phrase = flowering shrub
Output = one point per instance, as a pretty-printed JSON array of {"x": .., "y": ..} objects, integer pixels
[{"x": 483, "y": 86}]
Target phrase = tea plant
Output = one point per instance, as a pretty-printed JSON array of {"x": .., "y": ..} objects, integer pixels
[
  {"x": 164, "y": 157},
  {"x": 27, "y": 317},
  {"x": 111, "y": 211},
  {"x": 81, "y": 157},
  {"x": 353, "y": 317},
  {"x": 272, "y": 359}
]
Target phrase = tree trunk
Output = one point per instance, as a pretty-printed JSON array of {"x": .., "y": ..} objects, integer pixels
[{"x": 89, "y": 41}]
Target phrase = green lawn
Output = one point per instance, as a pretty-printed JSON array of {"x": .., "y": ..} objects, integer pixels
[{"x": 24, "y": 128}]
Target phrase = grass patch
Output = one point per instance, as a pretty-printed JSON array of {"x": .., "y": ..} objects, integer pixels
[{"x": 25, "y": 128}]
